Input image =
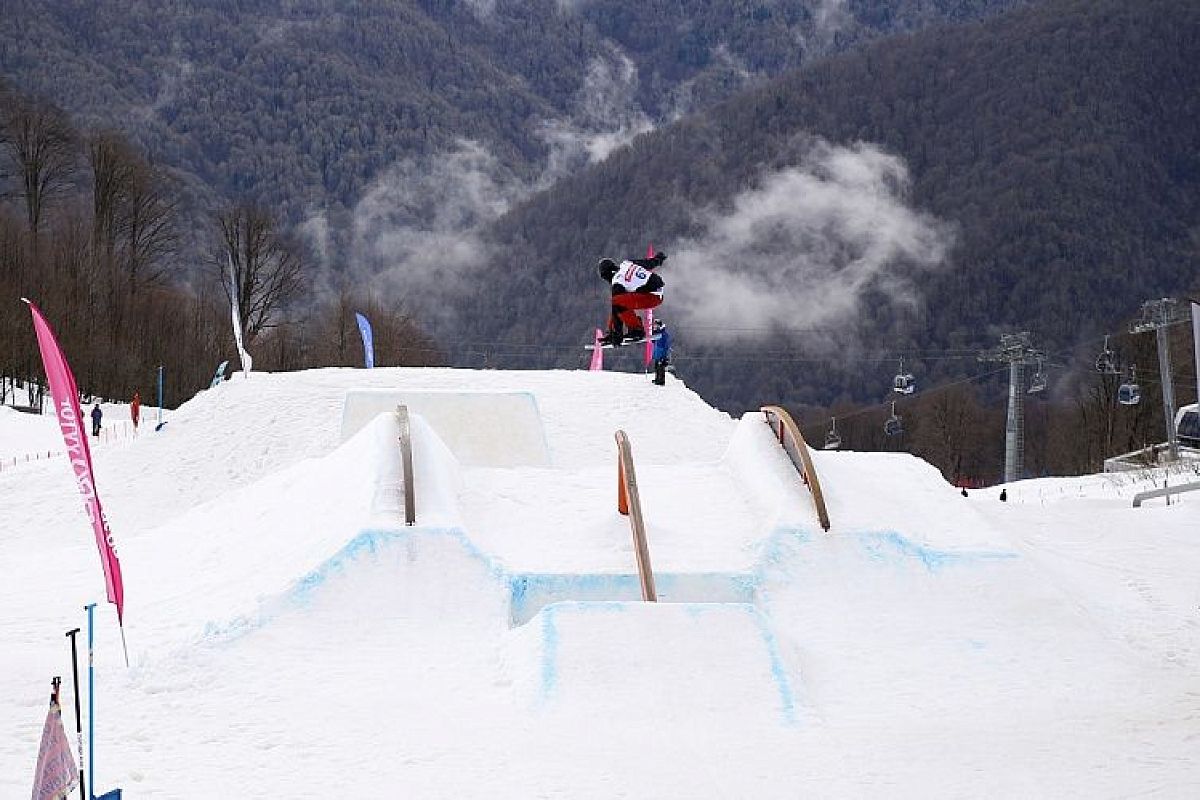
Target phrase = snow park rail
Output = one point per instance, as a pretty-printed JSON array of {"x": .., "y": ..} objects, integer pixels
[
  {"x": 630, "y": 504},
  {"x": 1164, "y": 492},
  {"x": 406, "y": 460},
  {"x": 786, "y": 431}
]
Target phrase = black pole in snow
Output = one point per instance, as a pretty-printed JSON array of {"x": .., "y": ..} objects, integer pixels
[{"x": 78, "y": 721}]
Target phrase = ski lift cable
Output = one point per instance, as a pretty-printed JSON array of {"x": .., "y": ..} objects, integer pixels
[
  {"x": 1147, "y": 378},
  {"x": 889, "y": 402},
  {"x": 1073, "y": 356}
]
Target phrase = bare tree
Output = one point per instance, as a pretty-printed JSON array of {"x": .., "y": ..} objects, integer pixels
[
  {"x": 111, "y": 161},
  {"x": 41, "y": 145},
  {"x": 949, "y": 431},
  {"x": 266, "y": 269},
  {"x": 148, "y": 217}
]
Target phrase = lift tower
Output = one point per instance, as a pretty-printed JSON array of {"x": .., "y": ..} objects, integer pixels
[
  {"x": 1015, "y": 348},
  {"x": 1157, "y": 316}
]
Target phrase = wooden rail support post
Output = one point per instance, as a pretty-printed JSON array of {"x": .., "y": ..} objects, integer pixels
[{"x": 630, "y": 504}]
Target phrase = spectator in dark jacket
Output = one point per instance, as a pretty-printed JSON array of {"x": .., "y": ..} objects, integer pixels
[
  {"x": 97, "y": 414},
  {"x": 662, "y": 352}
]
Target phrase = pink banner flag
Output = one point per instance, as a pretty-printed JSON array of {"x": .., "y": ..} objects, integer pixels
[
  {"x": 56, "y": 772},
  {"x": 597, "y": 353},
  {"x": 649, "y": 332},
  {"x": 70, "y": 420},
  {"x": 649, "y": 321}
]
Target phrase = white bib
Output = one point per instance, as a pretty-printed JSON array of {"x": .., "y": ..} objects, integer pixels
[{"x": 631, "y": 276}]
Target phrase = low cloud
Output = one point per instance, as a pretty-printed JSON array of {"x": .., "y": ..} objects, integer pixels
[
  {"x": 482, "y": 9},
  {"x": 800, "y": 250},
  {"x": 830, "y": 16},
  {"x": 315, "y": 232},
  {"x": 606, "y": 117},
  {"x": 416, "y": 231}
]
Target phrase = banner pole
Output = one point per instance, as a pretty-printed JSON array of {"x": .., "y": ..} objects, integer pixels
[
  {"x": 91, "y": 697},
  {"x": 121, "y": 627},
  {"x": 78, "y": 722},
  {"x": 160, "y": 396}
]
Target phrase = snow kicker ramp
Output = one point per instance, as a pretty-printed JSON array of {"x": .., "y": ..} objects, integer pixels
[{"x": 481, "y": 429}]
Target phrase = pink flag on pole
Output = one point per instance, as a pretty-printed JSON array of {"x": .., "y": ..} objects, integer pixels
[
  {"x": 649, "y": 320},
  {"x": 56, "y": 772},
  {"x": 71, "y": 422},
  {"x": 597, "y": 353},
  {"x": 649, "y": 332}
]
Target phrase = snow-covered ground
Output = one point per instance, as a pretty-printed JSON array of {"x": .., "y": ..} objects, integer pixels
[{"x": 289, "y": 636}]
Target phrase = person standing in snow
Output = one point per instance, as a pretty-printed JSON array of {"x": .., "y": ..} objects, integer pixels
[
  {"x": 635, "y": 287},
  {"x": 662, "y": 352},
  {"x": 97, "y": 414},
  {"x": 135, "y": 409}
]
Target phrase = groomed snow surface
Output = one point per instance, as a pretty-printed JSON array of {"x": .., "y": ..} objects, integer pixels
[{"x": 290, "y": 637}]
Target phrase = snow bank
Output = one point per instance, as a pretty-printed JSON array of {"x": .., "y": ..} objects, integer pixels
[{"x": 286, "y": 628}]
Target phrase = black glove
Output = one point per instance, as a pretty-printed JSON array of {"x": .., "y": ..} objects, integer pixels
[{"x": 661, "y": 257}]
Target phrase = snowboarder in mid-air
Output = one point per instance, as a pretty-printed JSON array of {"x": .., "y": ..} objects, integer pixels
[{"x": 635, "y": 287}]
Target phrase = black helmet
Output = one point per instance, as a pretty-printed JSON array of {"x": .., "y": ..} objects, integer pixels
[{"x": 607, "y": 268}]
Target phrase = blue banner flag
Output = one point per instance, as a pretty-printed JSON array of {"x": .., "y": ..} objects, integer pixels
[{"x": 364, "y": 328}]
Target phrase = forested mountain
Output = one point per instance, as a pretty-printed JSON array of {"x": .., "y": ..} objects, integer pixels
[
  {"x": 356, "y": 120},
  {"x": 1038, "y": 170},
  {"x": 299, "y": 105}
]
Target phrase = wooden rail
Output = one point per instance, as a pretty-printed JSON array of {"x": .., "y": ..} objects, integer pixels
[
  {"x": 789, "y": 436},
  {"x": 410, "y": 500},
  {"x": 1164, "y": 492},
  {"x": 630, "y": 504}
]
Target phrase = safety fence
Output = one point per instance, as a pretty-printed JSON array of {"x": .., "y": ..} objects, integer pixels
[{"x": 113, "y": 433}]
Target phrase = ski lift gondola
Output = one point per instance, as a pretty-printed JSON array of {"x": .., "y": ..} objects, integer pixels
[
  {"x": 1038, "y": 382},
  {"x": 893, "y": 426},
  {"x": 1129, "y": 393},
  {"x": 1106, "y": 362},
  {"x": 832, "y": 440},
  {"x": 904, "y": 382}
]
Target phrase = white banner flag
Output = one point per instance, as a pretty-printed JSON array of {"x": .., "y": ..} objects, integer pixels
[{"x": 247, "y": 362}]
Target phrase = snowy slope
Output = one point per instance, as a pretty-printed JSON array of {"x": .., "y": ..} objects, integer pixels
[{"x": 290, "y": 636}]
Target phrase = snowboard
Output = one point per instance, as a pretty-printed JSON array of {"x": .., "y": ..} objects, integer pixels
[{"x": 652, "y": 338}]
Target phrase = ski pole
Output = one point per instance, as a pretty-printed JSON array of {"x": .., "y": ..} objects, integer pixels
[
  {"x": 78, "y": 722},
  {"x": 91, "y": 701}
]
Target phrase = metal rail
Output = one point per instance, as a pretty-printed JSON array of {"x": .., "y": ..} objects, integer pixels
[
  {"x": 630, "y": 504},
  {"x": 410, "y": 500},
  {"x": 1164, "y": 492},
  {"x": 786, "y": 430}
]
